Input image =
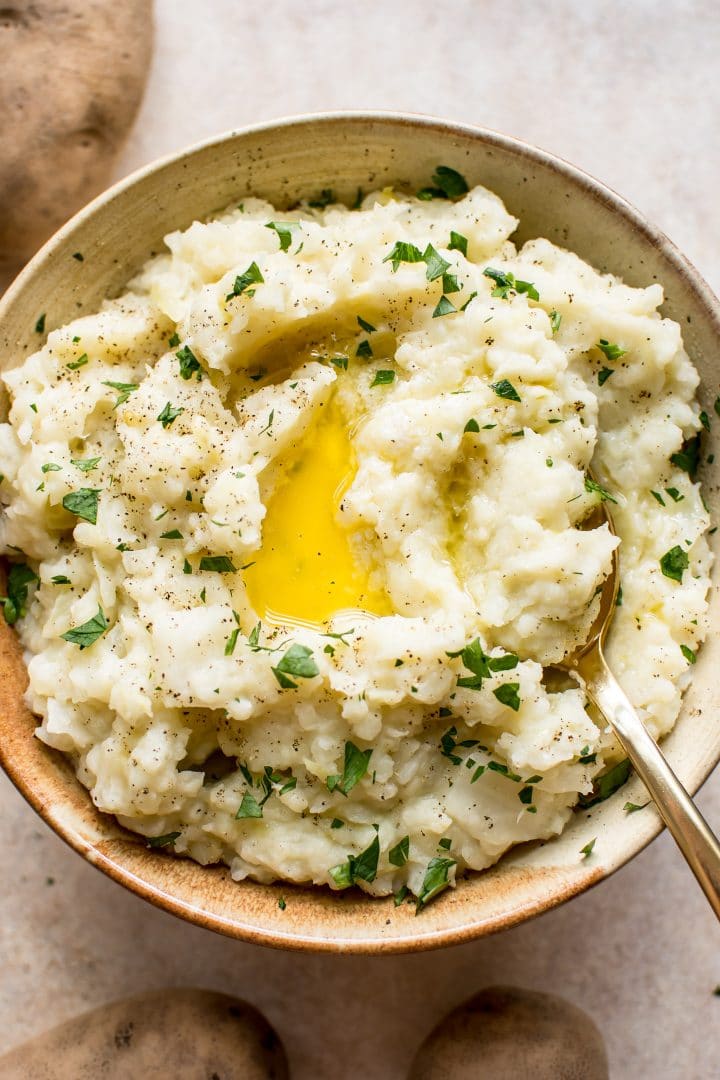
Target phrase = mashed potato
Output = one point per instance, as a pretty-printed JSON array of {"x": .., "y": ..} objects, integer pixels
[{"x": 303, "y": 510}]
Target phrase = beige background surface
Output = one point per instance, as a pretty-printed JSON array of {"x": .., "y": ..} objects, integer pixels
[{"x": 630, "y": 92}]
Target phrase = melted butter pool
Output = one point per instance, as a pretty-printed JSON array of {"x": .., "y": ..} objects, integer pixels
[{"x": 305, "y": 571}]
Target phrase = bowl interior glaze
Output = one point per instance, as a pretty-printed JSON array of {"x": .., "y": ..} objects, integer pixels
[{"x": 281, "y": 162}]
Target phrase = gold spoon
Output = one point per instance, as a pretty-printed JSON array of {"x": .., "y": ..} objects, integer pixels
[{"x": 588, "y": 666}]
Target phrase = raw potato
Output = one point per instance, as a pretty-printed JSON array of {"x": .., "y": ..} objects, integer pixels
[
  {"x": 72, "y": 75},
  {"x": 505, "y": 1033},
  {"x": 183, "y": 1034}
]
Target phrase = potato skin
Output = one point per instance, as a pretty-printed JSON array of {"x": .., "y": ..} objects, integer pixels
[
  {"x": 72, "y": 75},
  {"x": 183, "y": 1034},
  {"x": 506, "y": 1033}
]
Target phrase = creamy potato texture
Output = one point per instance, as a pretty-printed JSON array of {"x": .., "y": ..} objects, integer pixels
[{"x": 304, "y": 507}]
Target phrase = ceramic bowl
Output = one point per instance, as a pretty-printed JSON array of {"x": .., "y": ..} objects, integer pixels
[{"x": 282, "y": 162}]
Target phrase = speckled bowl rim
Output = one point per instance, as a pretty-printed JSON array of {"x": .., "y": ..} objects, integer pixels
[{"x": 97, "y": 853}]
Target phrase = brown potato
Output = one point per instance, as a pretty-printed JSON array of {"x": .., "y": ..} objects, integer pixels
[
  {"x": 72, "y": 75},
  {"x": 183, "y": 1034},
  {"x": 505, "y": 1033}
]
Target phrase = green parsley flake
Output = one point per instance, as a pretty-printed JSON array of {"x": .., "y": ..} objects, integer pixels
[
  {"x": 506, "y": 283},
  {"x": 674, "y": 563},
  {"x": 80, "y": 362},
  {"x": 173, "y": 534},
  {"x": 688, "y": 654},
  {"x": 189, "y": 363},
  {"x": 458, "y": 242},
  {"x": 587, "y": 851},
  {"x": 358, "y": 868},
  {"x": 593, "y": 488},
  {"x": 364, "y": 349},
  {"x": 125, "y": 390},
  {"x": 505, "y": 389},
  {"x": 60, "y": 579},
  {"x": 252, "y": 276},
  {"x": 40, "y": 324},
  {"x": 168, "y": 415},
  {"x": 50, "y": 466},
  {"x": 366, "y": 326},
  {"x": 14, "y": 605},
  {"x": 354, "y": 768},
  {"x": 443, "y": 307},
  {"x": 403, "y": 252},
  {"x": 282, "y": 903},
  {"x": 83, "y": 503},
  {"x": 86, "y": 465},
  {"x": 606, "y": 785},
  {"x": 508, "y": 695},
  {"x": 162, "y": 841},
  {"x": 297, "y": 661},
  {"x": 174, "y": 340},
  {"x": 609, "y": 351},
  {"x": 688, "y": 458},
  {"x": 219, "y": 564},
  {"x": 604, "y": 374},
  {"x": 656, "y": 495},
  {"x": 249, "y": 807},
  {"x": 284, "y": 230},
  {"x": 336, "y": 823},
  {"x": 383, "y": 378},
  {"x": 88, "y": 632},
  {"x": 399, "y": 854},
  {"x": 435, "y": 881},
  {"x": 555, "y": 320},
  {"x": 632, "y": 808},
  {"x": 434, "y": 263},
  {"x": 471, "y": 426},
  {"x": 449, "y": 184}
]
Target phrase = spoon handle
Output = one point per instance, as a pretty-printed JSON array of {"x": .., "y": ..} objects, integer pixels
[{"x": 691, "y": 832}]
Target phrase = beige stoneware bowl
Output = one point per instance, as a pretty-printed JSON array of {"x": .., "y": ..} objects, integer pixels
[{"x": 282, "y": 162}]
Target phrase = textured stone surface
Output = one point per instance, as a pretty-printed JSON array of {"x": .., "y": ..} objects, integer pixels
[{"x": 630, "y": 93}]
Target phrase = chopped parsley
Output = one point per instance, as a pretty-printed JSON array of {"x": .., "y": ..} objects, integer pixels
[
  {"x": 232, "y": 640},
  {"x": 606, "y": 784},
  {"x": 252, "y": 276},
  {"x": 674, "y": 563},
  {"x": 688, "y": 458},
  {"x": 220, "y": 564},
  {"x": 284, "y": 230},
  {"x": 174, "y": 340},
  {"x": 88, "y": 632},
  {"x": 298, "y": 662},
  {"x": 482, "y": 666},
  {"x": 79, "y": 256},
  {"x": 604, "y": 374},
  {"x": 282, "y": 904},
  {"x": 593, "y": 488},
  {"x": 125, "y": 390},
  {"x": 322, "y": 200},
  {"x": 506, "y": 283},
  {"x": 458, "y": 242},
  {"x": 83, "y": 503},
  {"x": 354, "y": 768},
  {"x": 555, "y": 320},
  {"x": 435, "y": 880},
  {"x": 505, "y": 389},
  {"x": 398, "y": 855},
  {"x": 60, "y": 579},
  {"x": 587, "y": 851},
  {"x": 364, "y": 349},
  {"x": 249, "y": 807},
  {"x": 362, "y": 867},
  {"x": 162, "y": 841},
  {"x": 189, "y": 363},
  {"x": 336, "y": 823},
  {"x": 443, "y": 307},
  {"x": 674, "y": 494},
  {"x": 609, "y": 351},
  {"x": 87, "y": 465},
  {"x": 80, "y": 362},
  {"x": 434, "y": 263},
  {"x": 448, "y": 184},
  {"x": 472, "y": 425},
  {"x": 403, "y": 252},
  {"x": 168, "y": 415},
  {"x": 656, "y": 495},
  {"x": 14, "y": 605},
  {"x": 40, "y": 324},
  {"x": 632, "y": 808},
  {"x": 688, "y": 654},
  {"x": 50, "y": 466},
  {"x": 173, "y": 534},
  {"x": 383, "y": 378},
  {"x": 366, "y": 326},
  {"x": 704, "y": 420},
  {"x": 339, "y": 362}
]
